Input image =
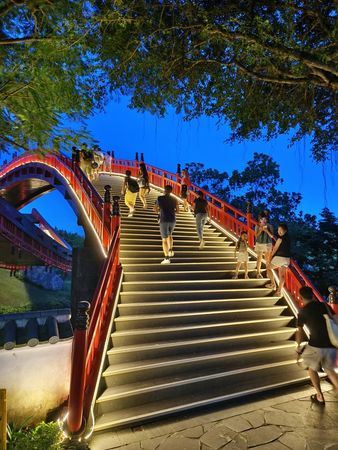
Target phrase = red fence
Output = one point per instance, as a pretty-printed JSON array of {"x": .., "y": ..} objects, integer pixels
[
  {"x": 88, "y": 344},
  {"x": 26, "y": 242}
]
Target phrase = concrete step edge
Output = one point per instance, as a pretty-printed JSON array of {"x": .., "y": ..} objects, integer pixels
[{"x": 154, "y": 364}]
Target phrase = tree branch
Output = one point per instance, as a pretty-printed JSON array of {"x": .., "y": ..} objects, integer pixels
[
  {"x": 15, "y": 91},
  {"x": 25, "y": 40},
  {"x": 293, "y": 81},
  {"x": 10, "y": 141},
  {"x": 305, "y": 57}
]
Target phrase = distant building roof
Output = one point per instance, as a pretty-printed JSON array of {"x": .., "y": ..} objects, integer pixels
[{"x": 35, "y": 327}]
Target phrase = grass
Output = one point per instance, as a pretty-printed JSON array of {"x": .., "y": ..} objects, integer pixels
[{"x": 19, "y": 296}]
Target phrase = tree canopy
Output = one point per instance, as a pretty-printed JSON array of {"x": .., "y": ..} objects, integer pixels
[
  {"x": 263, "y": 67},
  {"x": 48, "y": 73}
]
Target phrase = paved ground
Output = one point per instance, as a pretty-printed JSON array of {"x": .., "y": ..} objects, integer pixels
[{"x": 278, "y": 421}]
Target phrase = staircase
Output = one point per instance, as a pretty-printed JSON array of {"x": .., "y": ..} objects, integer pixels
[{"x": 187, "y": 334}]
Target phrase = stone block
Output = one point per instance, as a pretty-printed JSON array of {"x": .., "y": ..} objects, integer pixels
[
  {"x": 262, "y": 435},
  {"x": 236, "y": 423},
  {"x": 278, "y": 417},
  {"x": 293, "y": 440},
  {"x": 255, "y": 418},
  {"x": 215, "y": 438}
]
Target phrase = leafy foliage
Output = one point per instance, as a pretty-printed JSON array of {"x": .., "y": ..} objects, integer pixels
[
  {"x": 258, "y": 183},
  {"x": 315, "y": 243},
  {"x": 73, "y": 239},
  {"x": 48, "y": 73},
  {"x": 45, "y": 436},
  {"x": 265, "y": 67}
]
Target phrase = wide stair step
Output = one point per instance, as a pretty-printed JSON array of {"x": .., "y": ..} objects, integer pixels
[{"x": 199, "y": 391}]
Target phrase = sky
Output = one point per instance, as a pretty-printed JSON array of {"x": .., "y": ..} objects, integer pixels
[{"x": 170, "y": 140}]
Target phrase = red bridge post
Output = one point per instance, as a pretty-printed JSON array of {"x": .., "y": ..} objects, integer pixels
[
  {"x": 251, "y": 238},
  {"x": 75, "y": 422}
]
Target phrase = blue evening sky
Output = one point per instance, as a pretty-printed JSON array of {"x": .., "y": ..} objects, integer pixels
[{"x": 167, "y": 141}]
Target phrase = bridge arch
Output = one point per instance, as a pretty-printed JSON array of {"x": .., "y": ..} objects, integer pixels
[{"x": 29, "y": 177}]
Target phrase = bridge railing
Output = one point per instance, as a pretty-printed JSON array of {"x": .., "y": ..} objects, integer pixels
[
  {"x": 89, "y": 343},
  {"x": 224, "y": 214},
  {"x": 24, "y": 241},
  {"x": 33, "y": 163}
]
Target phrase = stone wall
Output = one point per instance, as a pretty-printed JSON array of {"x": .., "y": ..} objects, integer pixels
[
  {"x": 36, "y": 379},
  {"x": 48, "y": 279}
]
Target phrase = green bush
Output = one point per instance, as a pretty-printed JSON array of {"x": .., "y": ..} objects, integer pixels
[{"x": 45, "y": 436}]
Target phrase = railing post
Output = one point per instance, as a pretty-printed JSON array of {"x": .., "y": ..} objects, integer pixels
[
  {"x": 115, "y": 212},
  {"x": 178, "y": 173},
  {"x": 107, "y": 206},
  {"x": 107, "y": 221},
  {"x": 3, "y": 419},
  {"x": 75, "y": 419},
  {"x": 249, "y": 221}
]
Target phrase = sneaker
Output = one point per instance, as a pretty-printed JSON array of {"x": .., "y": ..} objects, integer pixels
[
  {"x": 165, "y": 261},
  {"x": 171, "y": 253},
  {"x": 202, "y": 244}
]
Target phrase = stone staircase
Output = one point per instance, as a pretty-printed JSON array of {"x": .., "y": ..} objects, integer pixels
[{"x": 186, "y": 334}]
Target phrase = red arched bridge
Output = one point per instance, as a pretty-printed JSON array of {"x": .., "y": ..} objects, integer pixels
[{"x": 158, "y": 339}]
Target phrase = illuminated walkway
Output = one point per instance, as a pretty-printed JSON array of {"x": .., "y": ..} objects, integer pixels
[
  {"x": 187, "y": 334},
  {"x": 271, "y": 421}
]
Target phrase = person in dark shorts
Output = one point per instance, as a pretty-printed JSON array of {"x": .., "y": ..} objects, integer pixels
[
  {"x": 280, "y": 258},
  {"x": 201, "y": 211},
  {"x": 167, "y": 206},
  {"x": 319, "y": 352}
]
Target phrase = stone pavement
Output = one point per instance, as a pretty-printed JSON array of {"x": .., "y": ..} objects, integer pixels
[{"x": 276, "y": 421}]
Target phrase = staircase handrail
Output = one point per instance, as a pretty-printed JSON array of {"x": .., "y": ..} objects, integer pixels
[
  {"x": 87, "y": 351},
  {"x": 223, "y": 213}
]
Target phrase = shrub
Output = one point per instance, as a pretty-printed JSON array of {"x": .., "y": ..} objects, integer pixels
[{"x": 45, "y": 436}]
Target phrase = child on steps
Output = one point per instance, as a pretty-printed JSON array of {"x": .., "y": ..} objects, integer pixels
[{"x": 242, "y": 257}]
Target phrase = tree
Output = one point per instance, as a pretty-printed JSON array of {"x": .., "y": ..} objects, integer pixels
[
  {"x": 258, "y": 183},
  {"x": 73, "y": 239},
  {"x": 265, "y": 67},
  {"x": 49, "y": 72}
]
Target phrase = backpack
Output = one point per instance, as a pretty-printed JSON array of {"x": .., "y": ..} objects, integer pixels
[{"x": 133, "y": 185}]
